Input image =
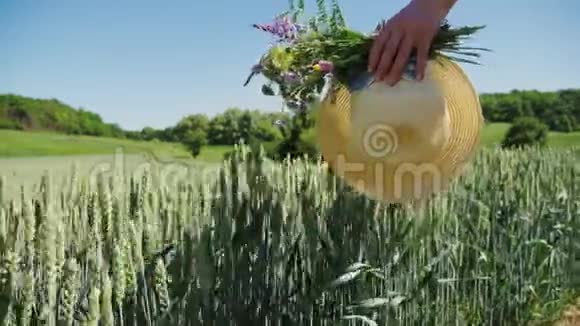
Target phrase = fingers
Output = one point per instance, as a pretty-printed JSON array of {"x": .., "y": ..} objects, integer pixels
[
  {"x": 392, "y": 48},
  {"x": 422, "y": 54},
  {"x": 389, "y": 52},
  {"x": 394, "y": 75},
  {"x": 377, "y": 48}
]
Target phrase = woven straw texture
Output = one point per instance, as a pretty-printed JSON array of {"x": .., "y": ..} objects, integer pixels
[{"x": 422, "y": 173}]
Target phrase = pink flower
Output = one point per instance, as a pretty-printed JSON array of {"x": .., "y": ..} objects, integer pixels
[
  {"x": 290, "y": 77},
  {"x": 324, "y": 66}
]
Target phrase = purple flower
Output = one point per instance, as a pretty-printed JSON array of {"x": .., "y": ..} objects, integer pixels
[
  {"x": 282, "y": 27},
  {"x": 290, "y": 77}
]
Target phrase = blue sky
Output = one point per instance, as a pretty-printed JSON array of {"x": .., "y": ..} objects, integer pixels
[{"x": 151, "y": 62}]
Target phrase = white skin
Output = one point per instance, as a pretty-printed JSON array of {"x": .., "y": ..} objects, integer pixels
[{"x": 414, "y": 27}]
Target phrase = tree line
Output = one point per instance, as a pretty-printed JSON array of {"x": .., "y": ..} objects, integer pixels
[
  {"x": 544, "y": 111},
  {"x": 25, "y": 113},
  {"x": 253, "y": 127},
  {"x": 559, "y": 110},
  {"x": 230, "y": 127},
  {"x": 279, "y": 133}
]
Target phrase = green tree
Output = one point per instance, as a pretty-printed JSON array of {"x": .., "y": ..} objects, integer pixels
[
  {"x": 235, "y": 125},
  {"x": 265, "y": 130},
  {"x": 526, "y": 131},
  {"x": 246, "y": 125},
  {"x": 194, "y": 140},
  {"x": 148, "y": 133},
  {"x": 224, "y": 129},
  {"x": 20, "y": 112},
  {"x": 192, "y": 132},
  {"x": 296, "y": 141},
  {"x": 197, "y": 122}
]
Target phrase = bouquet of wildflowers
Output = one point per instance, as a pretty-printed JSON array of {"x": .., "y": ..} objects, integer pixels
[{"x": 308, "y": 60}]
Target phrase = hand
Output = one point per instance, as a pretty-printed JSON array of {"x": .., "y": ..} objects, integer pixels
[{"x": 413, "y": 28}]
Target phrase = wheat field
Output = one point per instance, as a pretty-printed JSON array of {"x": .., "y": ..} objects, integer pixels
[{"x": 256, "y": 243}]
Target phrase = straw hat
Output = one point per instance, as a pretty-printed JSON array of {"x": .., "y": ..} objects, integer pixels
[{"x": 406, "y": 142}]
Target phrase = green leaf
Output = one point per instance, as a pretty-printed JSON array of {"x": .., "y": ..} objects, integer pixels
[
  {"x": 366, "y": 320},
  {"x": 267, "y": 90},
  {"x": 345, "y": 278}
]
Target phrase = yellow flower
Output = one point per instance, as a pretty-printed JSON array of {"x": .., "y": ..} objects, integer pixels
[
  {"x": 316, "y": 67},
  {"x": 280, "y": 58}
]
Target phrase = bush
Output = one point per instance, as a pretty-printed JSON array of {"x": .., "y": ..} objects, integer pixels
[
  {"x": 290, "y": 148},
  {"x": 9, "y": 124},
  {"x": 194, "y": 140},
  {"x": 526, "y": 131}
]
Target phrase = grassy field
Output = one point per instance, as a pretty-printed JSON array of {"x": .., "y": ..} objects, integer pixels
[
  {"x": 262, "y": 244},
  {"x": 26, "y": 156},
  {"x": 33, "y": 144},
  {"x": 23, "y": 173},
  {"x": 494, "y": 133}
]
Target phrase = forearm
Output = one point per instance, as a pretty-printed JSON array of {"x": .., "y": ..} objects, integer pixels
[
  {"x": 446, "y": 5},
  {"x": 441, "y": 6}
]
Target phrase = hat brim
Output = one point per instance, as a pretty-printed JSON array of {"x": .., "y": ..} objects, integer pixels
[{"x": 408, "y": 181}]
